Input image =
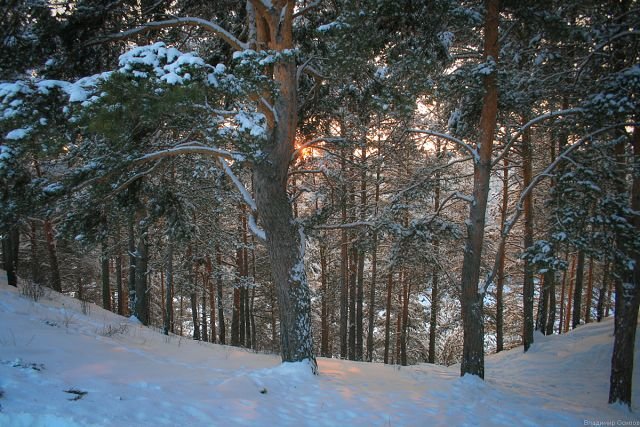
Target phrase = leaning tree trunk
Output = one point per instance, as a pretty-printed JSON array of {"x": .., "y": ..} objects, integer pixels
[{"x": 471, "y": 298}]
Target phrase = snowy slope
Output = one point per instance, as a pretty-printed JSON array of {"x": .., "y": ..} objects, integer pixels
[{"x": 134, "y": 376}]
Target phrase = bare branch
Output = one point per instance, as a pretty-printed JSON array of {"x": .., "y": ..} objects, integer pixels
[{"x": 180, "y": 22}]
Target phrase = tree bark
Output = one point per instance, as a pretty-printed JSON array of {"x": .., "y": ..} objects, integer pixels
[
  {"x": 219, "y": 284},
  {"x": 212, "y": 298},
  {"x": 168, "y": 268},
  {"x": 324, "y": 316},
  {"x": 570, "y": 295},
  {"x": 387, "y": 322},
  {"x": 577, "y": 294},
  {"x": 502, "y": 255},
  {"x": 528, "y": 286},
  {"x": 627, "y": 300},
  {"x": 131, "y": 245},
  {"x": 104, "y": 274},
  {"x": 602, "y": 293},
  {"x": 587, "y": 308},
  {"x": 10, "y": 245},
  {"x": 56, "y": 282},
  {"x": 141, "y": 265},
  {"x": 470, "y": 298}
]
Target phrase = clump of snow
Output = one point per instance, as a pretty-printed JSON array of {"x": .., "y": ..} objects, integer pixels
[{"x": 167, "y": 64}]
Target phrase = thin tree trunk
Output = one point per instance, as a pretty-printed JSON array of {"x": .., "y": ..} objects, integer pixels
[
  {"x": 204, "y": 335},
  {"x": 374, "y": 272},
  {"x": 142, "y": 298},
  {"x": 361, "y": 255},
  {"x": 119, "y": 287},
  {"x": 587, "y": 312},
  {"x": 10, "y": 245},
  {"x": 372, "y": 297},
  {"x": 56, "y": 283},
  {"x": 577, "y": 294},
  {"x": 168, "y": 268},
  {"x": 570, "y": 295},
  {"x": 104, "y": 274},
  {"x": 353, "y": 277},
  {"x": 324, "y": 316},
  {"x": 500, "y": 279},
  {"x": 406, "y": 289},
  {"x": 433, "y": 318},
  {"x": 528, "y": 286},
  {"x": 387, "y": 322},
  {"x": 212, "y": 299},
  {"x": 219, "y": 284},
  {"x": 603, "y": 291},
  {"x": 344, "y": 265},
  {"x": 470, "y": 298},
  {"x": 562, "y": 298},
  {"x": 36, "y": 270},
  {"x": 550, "y": 286},
  {"x": 131, "y": 246}
]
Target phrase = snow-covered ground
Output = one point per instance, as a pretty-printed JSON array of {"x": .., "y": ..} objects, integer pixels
[{"x": 51, "y": 353}]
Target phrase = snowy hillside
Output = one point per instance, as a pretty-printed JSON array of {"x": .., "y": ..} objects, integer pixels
[{"x": 60, "y": 367}]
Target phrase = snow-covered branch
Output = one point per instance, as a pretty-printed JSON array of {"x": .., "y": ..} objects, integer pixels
[
  {"x": 469, "y": 149},
  {"x": 178, "y": 22},
  {"x": 547, "y": 172},
  {"x": 191, "y": 148},
  {"x": 530, "y": 123},
  {"x": 248, "y": 200},
  {"x": 347, "y": 225}
]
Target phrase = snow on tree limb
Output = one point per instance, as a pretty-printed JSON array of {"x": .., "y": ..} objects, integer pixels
[
  {"x": 532, "y": 122},
  {"x": 191, "y": 148},
  {"x": 246, "y": 197},
  {"x": 178, "y": 22},
  {"x": 547, "y": 172},
  {"x": 461, "y": 143}
]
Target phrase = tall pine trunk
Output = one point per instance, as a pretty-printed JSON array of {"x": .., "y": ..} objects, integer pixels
[
  {"x": 528, "y": 287},
  {"x": 627, "y": 301},
  {"x": 577, "y": 293},
  {"x": 500, "y": 273},
  {"x": 471, "y": 298}
]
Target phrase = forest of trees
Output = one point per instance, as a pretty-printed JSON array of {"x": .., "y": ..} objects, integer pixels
[{"x": 374, "y": 180}]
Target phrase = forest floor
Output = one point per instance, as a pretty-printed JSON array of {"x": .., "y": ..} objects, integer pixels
[{"x": 60, "y": 367}]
